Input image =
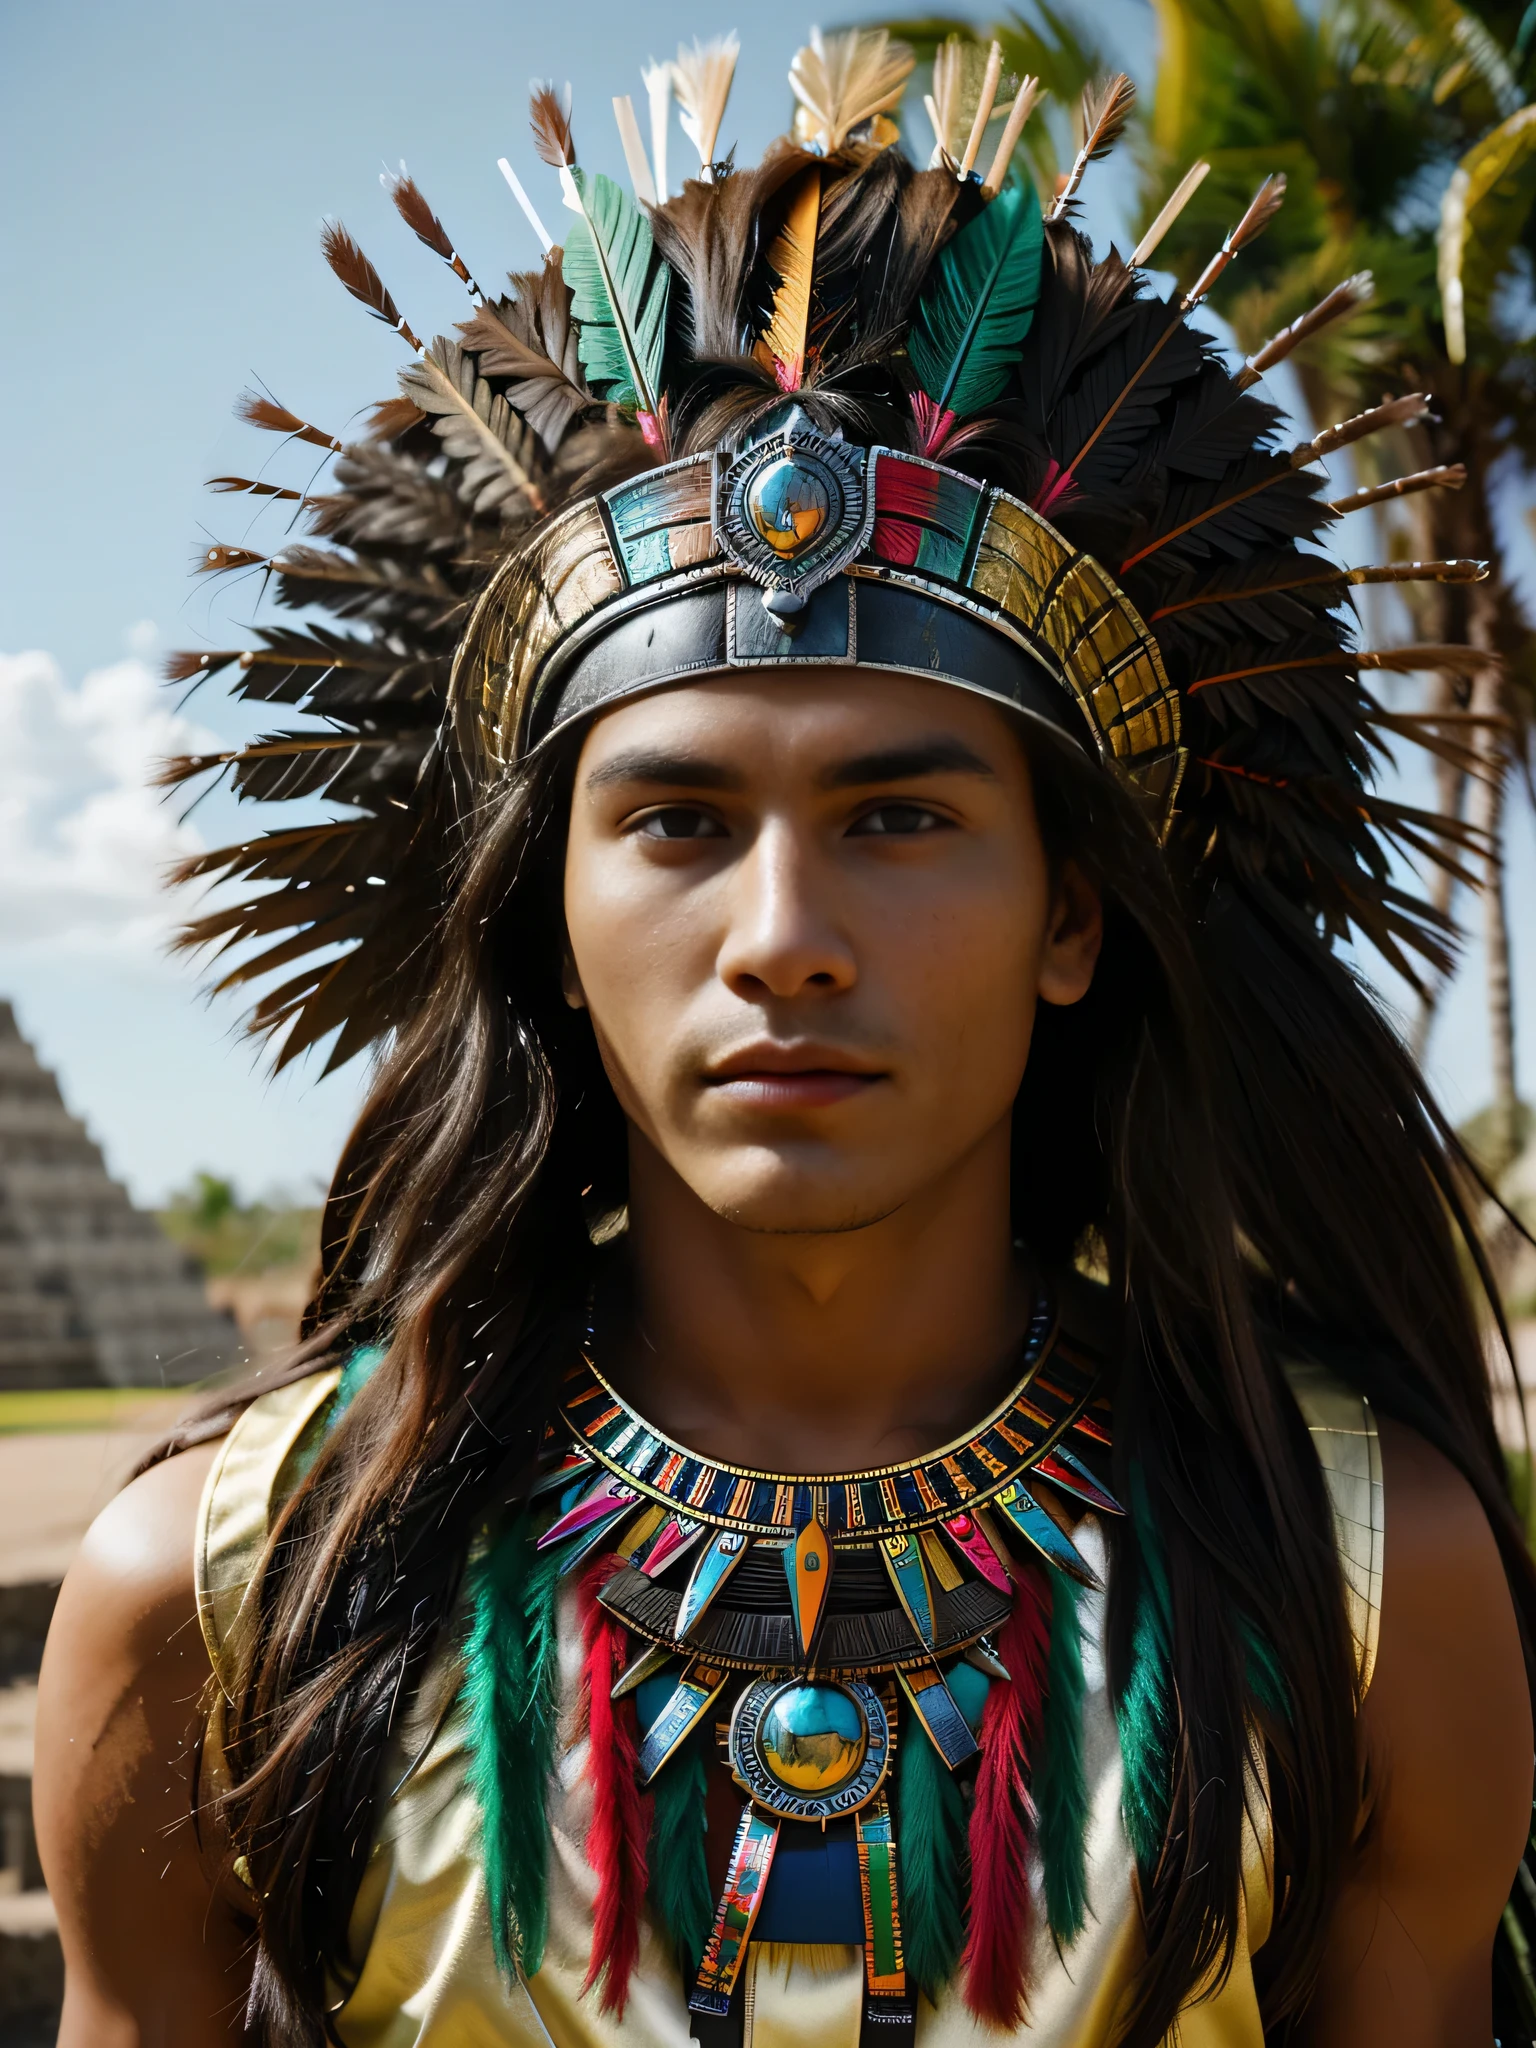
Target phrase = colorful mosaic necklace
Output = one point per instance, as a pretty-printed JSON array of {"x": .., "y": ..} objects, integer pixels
[{"x": 820, "y": 1620}]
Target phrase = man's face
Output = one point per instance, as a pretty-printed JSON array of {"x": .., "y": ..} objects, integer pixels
[{"x": 811, "y": 918}]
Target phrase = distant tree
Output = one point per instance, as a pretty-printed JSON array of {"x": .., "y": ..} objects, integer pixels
[
  {"x": 227, "y": 1235},
  {"x": 211, "y": 1200}
]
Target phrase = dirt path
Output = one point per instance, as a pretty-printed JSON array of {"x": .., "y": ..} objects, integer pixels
[{"x": 51, "y": 1488}]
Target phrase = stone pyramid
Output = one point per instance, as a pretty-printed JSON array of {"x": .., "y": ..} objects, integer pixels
[{"x": 92, "y": 1292}]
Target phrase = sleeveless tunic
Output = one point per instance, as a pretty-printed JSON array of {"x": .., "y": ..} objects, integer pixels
[{"x": 426, "y": 1974}]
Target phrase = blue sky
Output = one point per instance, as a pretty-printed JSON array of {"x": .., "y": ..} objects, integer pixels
[{"x": 169, "y": 166}]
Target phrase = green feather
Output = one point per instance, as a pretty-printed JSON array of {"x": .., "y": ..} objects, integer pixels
[
  {"x": 931, "y": 1832},
  {"x": 1265, "y": 1679},
  {"x": 510, "y": 1692},
  {"x": 1145, "y": 1710},
  {"x": 680, "y": 1899},
  {"x": 978, "y": 305},
  {"x": 619, "y": 287},
  {"x": 1060, "y": 1784}
]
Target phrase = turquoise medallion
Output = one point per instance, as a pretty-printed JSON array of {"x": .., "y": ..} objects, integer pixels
[{"x": 810, "y": 1748}]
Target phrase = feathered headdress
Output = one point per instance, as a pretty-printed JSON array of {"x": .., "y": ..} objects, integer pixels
[{"x": 787, "y": 411}]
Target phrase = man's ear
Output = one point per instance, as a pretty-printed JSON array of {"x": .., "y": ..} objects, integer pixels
[
  {"x": 1073, "y": 938},
  {"x": 570, "y": 981}
]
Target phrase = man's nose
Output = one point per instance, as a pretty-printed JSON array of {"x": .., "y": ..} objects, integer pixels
[{"x": 785, "y": 937}]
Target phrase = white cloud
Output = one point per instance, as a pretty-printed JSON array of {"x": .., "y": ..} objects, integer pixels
[{"x": 85, "y": 840}]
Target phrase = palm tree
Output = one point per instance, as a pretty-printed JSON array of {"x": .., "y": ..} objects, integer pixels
[{"x": 1409, "y": 151}]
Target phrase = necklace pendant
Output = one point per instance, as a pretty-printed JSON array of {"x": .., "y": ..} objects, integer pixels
[
  {"x": 600, "y": 1504},
  {"x": 710, "y": 1573},
  {"x": 909, "y": 1575},
  {"x": 934, "y": 1705},
  {"x": 808, "y": 1565},
  {"x": 969, "y": 1538},
  {"x": 1073, "y": 1476},
  {"x": 810, "y": 1749},
  {"x": 696, "y": 1692},
  {"x": 1037, "y": 1528},
  {"x": 671, "y": 1540}
]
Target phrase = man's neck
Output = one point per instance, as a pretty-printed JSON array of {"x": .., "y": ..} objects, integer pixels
[{"x": 820, "y": 1352}]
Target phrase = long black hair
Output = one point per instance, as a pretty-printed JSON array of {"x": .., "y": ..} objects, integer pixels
[{"x": 1227, "y": 1114}]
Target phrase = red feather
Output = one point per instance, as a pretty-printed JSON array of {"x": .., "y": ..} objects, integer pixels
[
  {"x": 620, "y": 1825},
  {"x": 1003, "y": 1814}
]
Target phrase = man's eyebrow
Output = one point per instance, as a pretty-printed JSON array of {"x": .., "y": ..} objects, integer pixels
[
  {"x": 905, "y": 764},
  {"x": 674, "y": 771}
]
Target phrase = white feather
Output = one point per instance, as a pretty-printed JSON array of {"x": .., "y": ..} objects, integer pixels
[{"x": 701, "y": 78}]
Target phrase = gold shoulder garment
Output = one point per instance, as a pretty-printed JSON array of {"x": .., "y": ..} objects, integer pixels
[{"x": 421, "y": 1940}]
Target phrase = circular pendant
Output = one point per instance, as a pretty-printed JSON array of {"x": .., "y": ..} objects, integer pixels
[
  {"x": 810, "y": 1748},
  {"x": 795, "y": 508},
  {"x": 788, "y": 502}
]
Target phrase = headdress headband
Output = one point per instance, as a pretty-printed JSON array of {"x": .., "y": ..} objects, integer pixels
[
  {"x": 836, "y": 410},
  {"x": 806, "y": 549}
]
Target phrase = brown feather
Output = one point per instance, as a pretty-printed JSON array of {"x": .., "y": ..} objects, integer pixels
[
  {"x": 216, "y": 556},
  {"x": 1262, "y": 208},
  {"x": 259, "y": 411},
  {"x": 888, "y": 251},
  {"x": 1422, "y": 729},
  {"x": 1412, "y": 661},
  {"x": 1312, "y": 574},
  {"x": 253, "y": 487},
  {"x": 531, "y": 339},
  {"x": 1345, "y": 299},
  {"x": 1405, "y": 661},
  {"x": 1450, "y": 476},
  {"x": 411, "y": 205},
  {"x": 361, "y": 279},
  {"x": 187, "y": 663},
  {"x": 710, "y": 237},
  {"x": 550, "y": 118},
  {"x": 392, "y": 417},
  {"x": 1392, "y": 412},
  {"x": 1106, "y": 108},
  {"x": 1464, "y": 570}
]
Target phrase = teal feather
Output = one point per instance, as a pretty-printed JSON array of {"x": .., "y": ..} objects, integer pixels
[
  {"x": 1060, "y": 1783},
  {"x": 679, "y": 1897},
  {"x": 355, "y": 1375},
  {"x": 1146, "y": 1708},
  {"x": 979, "y": 304},
  {"x": 619, "y": 287},
  {"x": 1265, "y": 1679},
  {"x": 932, "y": 1873},
  {"x": 510, "y": 1693},
  {"x": 1147, "y": 1713}
]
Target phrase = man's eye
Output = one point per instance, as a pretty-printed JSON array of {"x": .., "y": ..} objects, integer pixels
[
  {"x": 902, "y": 819},
  {"x": 679, "y": 821}
]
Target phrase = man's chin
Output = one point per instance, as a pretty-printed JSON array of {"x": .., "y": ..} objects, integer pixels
[{"x": 800, "y": 1204}]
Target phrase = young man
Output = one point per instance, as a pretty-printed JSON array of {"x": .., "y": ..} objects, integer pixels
[{"x": 892, "y": 1437}]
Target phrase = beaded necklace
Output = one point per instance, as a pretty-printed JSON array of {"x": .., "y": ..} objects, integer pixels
[{"x": 823, "y": 1621}]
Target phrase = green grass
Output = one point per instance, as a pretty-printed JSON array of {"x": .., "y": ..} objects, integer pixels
[
  {"x": 1519, "y": 1463},
  {"x": 36, "y": 1411}
]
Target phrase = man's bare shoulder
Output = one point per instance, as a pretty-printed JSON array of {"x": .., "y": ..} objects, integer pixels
[
  {"x": 152, "y": 1948},
  {"x": 137, "y": 1557},
  {"x": 1446, "y": 1745}
]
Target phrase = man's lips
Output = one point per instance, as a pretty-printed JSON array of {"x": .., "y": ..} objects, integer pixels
[{"x": 792, "y": 1076}]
